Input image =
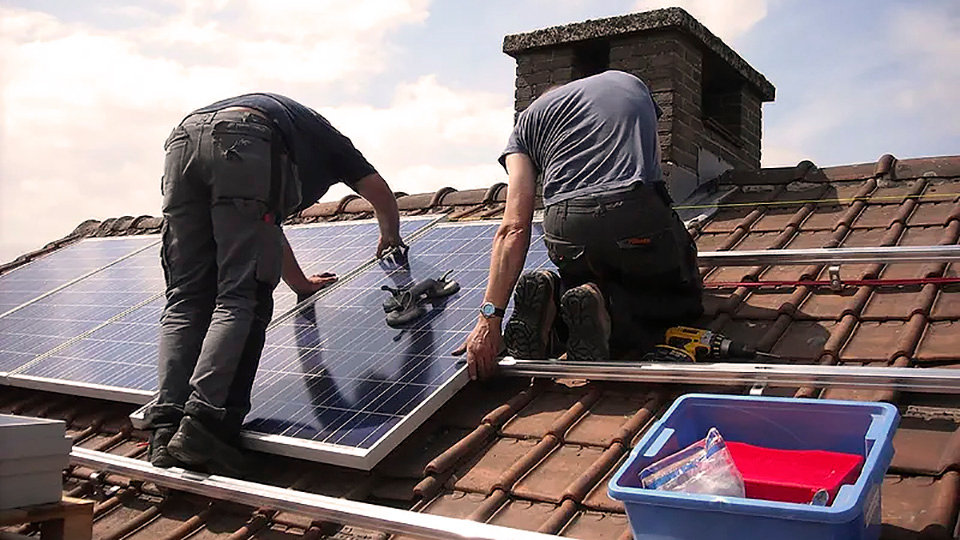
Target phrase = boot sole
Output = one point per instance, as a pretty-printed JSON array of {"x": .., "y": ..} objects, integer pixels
[
  {"x": 579, "y": 310},
  {"x": 523, "y": 331}
]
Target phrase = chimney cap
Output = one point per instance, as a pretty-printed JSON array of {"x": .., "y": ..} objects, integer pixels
[{"x": 675, "y": 18}]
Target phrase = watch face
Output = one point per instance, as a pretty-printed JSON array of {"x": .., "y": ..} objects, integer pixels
[{"x": 488, "y": 309}]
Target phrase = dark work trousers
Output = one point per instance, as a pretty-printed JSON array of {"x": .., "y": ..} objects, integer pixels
[
  {"x": 637, "y": 250},
  {"x": 221, "y": 256}
]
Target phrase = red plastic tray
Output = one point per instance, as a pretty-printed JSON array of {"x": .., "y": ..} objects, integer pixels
[{"x": 793, "y": 475}]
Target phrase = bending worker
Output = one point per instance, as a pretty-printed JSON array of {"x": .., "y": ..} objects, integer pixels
[
  {"x": 627, "y": 265},
  {"x": 233, "y": 171}
]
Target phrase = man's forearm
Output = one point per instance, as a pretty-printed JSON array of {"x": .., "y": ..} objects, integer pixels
[
  {"x": 506, "y": 262},
  {"x": 375, "y": 190},
  {"x": 290, "y": 271}
]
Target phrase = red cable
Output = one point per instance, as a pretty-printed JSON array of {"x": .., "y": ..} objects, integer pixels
[{"x": 826, "y": 283}]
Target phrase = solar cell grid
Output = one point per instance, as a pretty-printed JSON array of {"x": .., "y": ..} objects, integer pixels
[
  {"x": 335, "y": 374},
  {"x": 121, "y": 355},
  {"x": 335, "y": 247},
  {"x": 45, "y": 274},
  {"x": 78, "y": 308}
]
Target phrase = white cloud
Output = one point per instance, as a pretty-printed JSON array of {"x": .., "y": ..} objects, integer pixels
[
  {"x": 728, "y": 19},
  {"x": 85, "y": 110},
  {"x": 878, "y": 97}
]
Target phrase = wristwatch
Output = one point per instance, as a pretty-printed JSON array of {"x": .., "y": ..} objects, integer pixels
[{"x": 489, "y": 311}]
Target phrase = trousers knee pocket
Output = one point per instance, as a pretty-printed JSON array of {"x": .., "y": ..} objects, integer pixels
[{"x": 266, "y": 242}]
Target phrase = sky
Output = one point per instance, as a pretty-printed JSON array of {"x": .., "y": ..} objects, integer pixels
[{"x": 90, "y": 90}]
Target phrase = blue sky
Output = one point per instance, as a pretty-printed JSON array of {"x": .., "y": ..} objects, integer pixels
[{"x": 91, "y": 89}]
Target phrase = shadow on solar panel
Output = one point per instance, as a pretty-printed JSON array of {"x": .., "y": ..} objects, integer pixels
[{"x": 337, "y": 384}]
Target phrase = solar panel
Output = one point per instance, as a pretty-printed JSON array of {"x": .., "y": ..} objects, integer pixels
[
  {"x": 78, "y": 308},
  {"x": 59, "y": 268},
  {"x": 119, "y": 360},
  {"x": 336, "y": 384},
  {"x": 116, "y": 361},
  {"x": 338, "y": 247}
]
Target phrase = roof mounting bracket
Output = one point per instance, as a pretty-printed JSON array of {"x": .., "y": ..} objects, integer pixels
[{"x": 835, "y": 282}]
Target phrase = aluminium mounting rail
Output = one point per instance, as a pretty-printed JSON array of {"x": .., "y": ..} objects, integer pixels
[
  {"x": 880, "y": 254},
  {"x": 930, "y": 380},
  {"x": 320, "y": 507}
]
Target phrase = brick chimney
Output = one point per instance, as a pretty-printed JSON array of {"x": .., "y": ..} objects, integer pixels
[{"x": 710, "y": 96}]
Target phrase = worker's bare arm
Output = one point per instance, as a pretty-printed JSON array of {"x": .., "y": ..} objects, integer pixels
[
  {"x": 294, "y": 277},
  {"x": 506, "y": 262},
  {"x": 513, "y": 237},
  {"x": 375, "y": 190}
]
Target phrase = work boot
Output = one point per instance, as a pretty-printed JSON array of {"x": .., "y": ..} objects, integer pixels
[
  {"x": 197, "y": 447},
  {"x": 157, "y": 449},
  {"x": 529, "y": 331},
  {"x": 586, "y": 316}
]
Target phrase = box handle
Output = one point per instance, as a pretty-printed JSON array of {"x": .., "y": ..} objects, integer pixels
[{"x": 659, "y": 442}]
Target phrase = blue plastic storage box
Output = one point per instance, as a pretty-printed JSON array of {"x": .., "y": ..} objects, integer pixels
[{"x": 791, "y": 424}]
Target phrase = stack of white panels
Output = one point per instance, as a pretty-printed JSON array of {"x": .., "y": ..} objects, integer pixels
[{"x": 33, "y": 454}]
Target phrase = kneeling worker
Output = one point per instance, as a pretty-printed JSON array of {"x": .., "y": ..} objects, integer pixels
[
  {"x": 232, "y": 171},
  {"x": 628, "y": 267}
]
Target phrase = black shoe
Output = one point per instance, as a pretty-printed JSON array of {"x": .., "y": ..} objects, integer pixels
[
  {"x": 198, "y": 448},
  {"x": 157, "y": 449},
  {"x": 585, "y": 313},
  {"x": 528, "y": 333}
]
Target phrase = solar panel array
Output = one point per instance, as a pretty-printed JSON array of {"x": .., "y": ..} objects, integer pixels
[
  {"x": 122, "y": 356},
  {"x": 59, "y": 268},
  {"x": 337, "y": 376},
  {"x": 335, "y": 382},
  {"x": 78, "y": 308}
]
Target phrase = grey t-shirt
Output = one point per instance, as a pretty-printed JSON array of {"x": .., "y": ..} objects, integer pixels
[{"x": 593, "y": 135}]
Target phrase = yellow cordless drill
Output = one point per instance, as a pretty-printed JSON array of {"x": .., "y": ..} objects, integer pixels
[{"x": 702, "y": 345}]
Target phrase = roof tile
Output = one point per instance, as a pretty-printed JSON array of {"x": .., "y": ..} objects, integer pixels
[
  {"x": 921, "y": 504},
  {"x": 548, "y": 480},
  {"x": 602, "y": 424},
  {"x": 481, "y": 473},
  {"x": 947, "y": 304},
  {"x": 457, "y": 504},
  {"x": 926, "y": 446},
  {"x": 764, "y": 303},
  {"x": 893, "y": 303},
  {"x": 536, "y": 419},
  {"x": 939, "y": 343},
  {"x": 521, "y": 514},
  {"x": 931, "y": 213},
  {"x": 804, "y": 340},
  {"x": 597, "y": 526}
]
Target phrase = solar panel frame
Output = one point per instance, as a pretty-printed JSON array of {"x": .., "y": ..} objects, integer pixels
[
  {"x": 367, "y": 458},
  {"x": 27, "y": 376}
]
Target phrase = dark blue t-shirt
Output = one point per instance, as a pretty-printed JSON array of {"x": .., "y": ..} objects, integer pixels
[
  {"x": 593, "y": 135},
  {"x": 323, "y": 156}
]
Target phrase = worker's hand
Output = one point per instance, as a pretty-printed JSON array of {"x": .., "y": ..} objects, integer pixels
[
  {"x": 314, "y": 283},
  {"x": 482, "y": 346},
  {"x": 388, "y": 241}
]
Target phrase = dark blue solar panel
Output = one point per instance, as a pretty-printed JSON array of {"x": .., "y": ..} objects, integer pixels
[
  {"x": 63, "y": 266},
  {"x": 122, "y": 354},
  {"x": 78, "y": 308},
  {"x": 337, "y": 374},
  {"x": 335, "y": 247}
]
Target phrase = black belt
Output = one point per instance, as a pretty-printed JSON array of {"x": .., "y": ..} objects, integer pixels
[{"x": 639, "y": 191}]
